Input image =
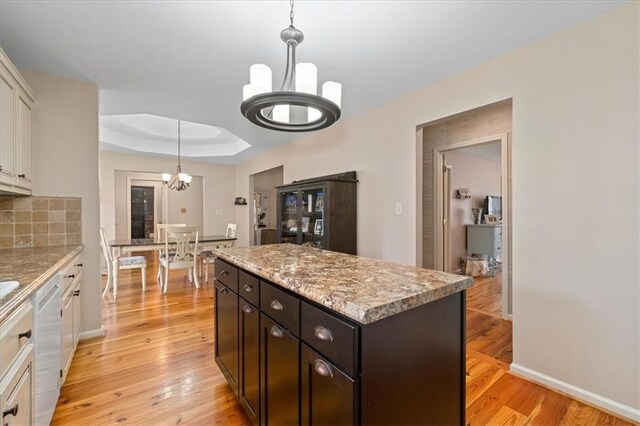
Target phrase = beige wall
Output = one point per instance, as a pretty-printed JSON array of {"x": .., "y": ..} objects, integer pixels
[
  {"x": 575, "y": 208},
  {"x": 65, "y": 164},
  {"x": 218, "y": 182},
  {"x": 482, "y": 177}
]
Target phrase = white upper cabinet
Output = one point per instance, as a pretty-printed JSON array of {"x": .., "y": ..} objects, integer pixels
[
  {"x": 16, "y": 114},
  {"x": 7, "y": 127},
  {"x": 24, "y": 142}
]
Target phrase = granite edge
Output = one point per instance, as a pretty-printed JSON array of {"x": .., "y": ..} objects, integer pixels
[
  {"x": 358, "y": 314},
  {"x": 11, "y": 303}
]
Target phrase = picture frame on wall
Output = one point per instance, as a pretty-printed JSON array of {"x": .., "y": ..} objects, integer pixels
[
  {"x": 318, "y": 228},
  {"x": 491, "y": 219},
  {"x": 319, "y": 202},
  {"x": 305, "y": 223}
]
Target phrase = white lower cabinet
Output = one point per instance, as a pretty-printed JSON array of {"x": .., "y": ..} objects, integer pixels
[
  {"x": 17, "y": 363},
  {"x": 71, "y": 312},
  {"x": 17, "y": 394}
]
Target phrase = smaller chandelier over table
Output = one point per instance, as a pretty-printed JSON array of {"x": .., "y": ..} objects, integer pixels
[
  {"x": 180, "y": 181},
  {"x": 296, "y": 107}
]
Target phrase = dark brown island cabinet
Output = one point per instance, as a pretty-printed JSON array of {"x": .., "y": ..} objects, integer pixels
[
  {"x": 291, "y": 361},
  {"x": 320, "y": 212}
]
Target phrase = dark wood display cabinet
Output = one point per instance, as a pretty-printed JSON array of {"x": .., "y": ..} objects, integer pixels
[
  {"x": 291, "y": 361},
  {"x": 320, "y": 212}
]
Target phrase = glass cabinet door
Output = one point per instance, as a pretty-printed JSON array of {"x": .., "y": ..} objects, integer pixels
[
  {"x": 312, "y": 212},
  {"x": 289, "y": 219}
]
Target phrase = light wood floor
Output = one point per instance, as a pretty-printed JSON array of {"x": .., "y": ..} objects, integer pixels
[
  {"x": 156, "y": 366},
  {"x": 487, "y": 332}
]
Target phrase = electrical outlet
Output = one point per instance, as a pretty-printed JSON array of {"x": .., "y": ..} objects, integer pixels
[
  {"x": 219, "y": 212},
  {"x": 398, "y": 208}
]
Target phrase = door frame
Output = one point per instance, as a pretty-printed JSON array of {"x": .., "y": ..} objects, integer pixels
[
  {"x": 439, "y": 243},
  {"x": 165, "y": 202}
]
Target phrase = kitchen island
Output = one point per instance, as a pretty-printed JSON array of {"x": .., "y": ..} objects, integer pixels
[{"x": 308, "y": 336}]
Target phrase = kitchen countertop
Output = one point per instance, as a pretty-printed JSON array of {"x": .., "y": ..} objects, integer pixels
[
  {"x": 31, "y": 267},
  {"x": 363, "y": 289}
]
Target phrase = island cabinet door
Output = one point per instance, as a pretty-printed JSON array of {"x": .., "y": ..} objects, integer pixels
[
  {"x": 328, "y": 397},
  {"x": 279, "y": 373},
  {"x": 226, "y": 326},
  {"x": 249, "y": 385}
]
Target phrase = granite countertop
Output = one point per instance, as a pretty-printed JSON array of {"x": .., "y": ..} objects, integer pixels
[
  {"x": 31, "y": 267},
  {"x": 363, "y": 289}
]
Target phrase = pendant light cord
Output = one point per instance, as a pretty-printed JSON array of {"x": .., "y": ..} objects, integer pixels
[
  {"x": 179, "y": 168},
  {"x": 291, "y": 13}
]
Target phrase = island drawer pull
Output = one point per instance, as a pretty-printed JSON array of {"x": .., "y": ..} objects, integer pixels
[
  {"x": 224, "y": 290},
  {"x": 322, "y": 368},
  {"x": 275, "y": 331},
  {"x": 224, "y": 273},
  {"x": 248, "y": 288},
  {"x": 78, "y": 265},
  {"x": 76, "y": 293},
  {"x": 13, "y": 411},
  {"x": 70, "y": 276},
  {"x": 26, "y": 334},
  {"x": 323, "y": 333},
  {"x": 247, "y": 309},
  {"x": 22, "y": 176},
  {"x": 276, "y": 305}
]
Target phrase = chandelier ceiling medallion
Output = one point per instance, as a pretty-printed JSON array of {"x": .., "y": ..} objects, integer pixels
[
  {"x": 180, "y": 181},
  {"x": 296, "y": 107}
]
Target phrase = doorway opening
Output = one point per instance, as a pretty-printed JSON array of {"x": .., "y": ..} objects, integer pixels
[
  {"x": 449, "y": 150},
  {"x": 134, "y": 213},
  {"x": 263, "y": 219},
  {"x": 471, "y": 239},
  {"x": 146, "y": 209}
]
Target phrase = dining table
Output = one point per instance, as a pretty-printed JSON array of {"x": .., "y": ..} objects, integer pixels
[{"x": 121, "y": 246}]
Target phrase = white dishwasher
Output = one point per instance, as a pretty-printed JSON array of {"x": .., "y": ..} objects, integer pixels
[{"x": 46, "y": 318}]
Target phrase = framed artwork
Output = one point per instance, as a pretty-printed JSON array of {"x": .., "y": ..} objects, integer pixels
[
  {"x": 491, "y": 218},
  {"x": 319, "y": 202},
  {"x": 305, "y": 224},
  {"x": 318, "y": 228}
]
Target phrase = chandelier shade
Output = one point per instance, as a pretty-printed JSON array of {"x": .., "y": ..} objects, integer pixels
[{"x": 297, "y": 106}]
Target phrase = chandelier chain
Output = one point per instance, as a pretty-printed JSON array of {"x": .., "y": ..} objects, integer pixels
[
  {"x": 178, "y": 143},
  {"x": 291, "y": 13}
]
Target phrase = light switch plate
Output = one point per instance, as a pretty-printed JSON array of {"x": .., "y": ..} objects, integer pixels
[
  {"x": 398, "y": 208},
  {"x": 183, "y": 210},
  {"x": 219, "y": 212}
]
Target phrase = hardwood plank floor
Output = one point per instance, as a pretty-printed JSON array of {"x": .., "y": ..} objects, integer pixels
[
  {"x": 486, "y": 295},
  {"x": 156, "y": 367}
]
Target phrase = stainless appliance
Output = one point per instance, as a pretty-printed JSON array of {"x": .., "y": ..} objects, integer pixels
[{"x": 46, "y": 319}]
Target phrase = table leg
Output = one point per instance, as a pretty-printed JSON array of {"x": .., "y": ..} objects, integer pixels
[
  {"x": 115, "y": 268},
  {"x": 109, "y": 279},
  {"x": 196, "y": 279}
]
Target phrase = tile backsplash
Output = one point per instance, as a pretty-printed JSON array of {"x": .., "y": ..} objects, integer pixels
[{"x": 40, "y": 221}]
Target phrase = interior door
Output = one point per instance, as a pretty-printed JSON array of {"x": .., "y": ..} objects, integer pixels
[{"x": 146, "y": 207}]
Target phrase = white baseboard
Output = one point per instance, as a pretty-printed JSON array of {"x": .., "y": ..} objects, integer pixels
[
  {"x": 599, "y": 401},
  {"x": 92, "y": 334}
]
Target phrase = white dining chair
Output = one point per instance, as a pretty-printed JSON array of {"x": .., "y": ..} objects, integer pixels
[
  {"x": 207, "y": 257},
  {"x": 160, "y": 238},
  {"x": 128, "y": 262},
  {"x": 180, "y": 251}
]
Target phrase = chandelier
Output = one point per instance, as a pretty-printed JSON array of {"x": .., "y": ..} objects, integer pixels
[
  {"x": 296, "y": 107},
  {"x": 180, "y": 181}
]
